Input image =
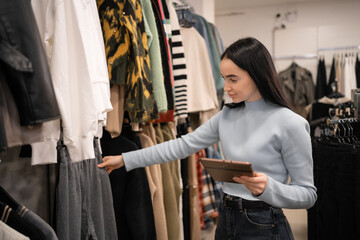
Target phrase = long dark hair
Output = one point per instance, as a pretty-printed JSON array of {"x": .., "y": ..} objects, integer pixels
[{"x": 252, "y": 56}]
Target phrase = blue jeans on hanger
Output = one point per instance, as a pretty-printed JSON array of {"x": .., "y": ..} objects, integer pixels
[{"x": 237, "y": 223}]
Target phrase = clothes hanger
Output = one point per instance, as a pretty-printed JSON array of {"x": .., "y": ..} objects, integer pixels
[
  {"x": 184, "y": 9},
  {"x": 183, "y": 22},
  {"x": 293, "y": 64},
  {"x": 351, "y": 133},
  {"x": 293, "y": 67},
  {"x": 334, "y": 88},
  {"x": 346, "y": 132},
  {"x": 338, "y": 134}
]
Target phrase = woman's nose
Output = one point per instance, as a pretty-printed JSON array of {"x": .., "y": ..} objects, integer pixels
[{"x": 226, "y": 86}]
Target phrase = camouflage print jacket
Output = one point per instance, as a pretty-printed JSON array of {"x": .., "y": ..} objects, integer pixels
[{"x": 127, "y": 55}]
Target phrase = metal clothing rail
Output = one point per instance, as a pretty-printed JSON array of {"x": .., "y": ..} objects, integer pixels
[
  {"x": 300, "y": 56},
  {"x": 315, "y": 55},
  {"x": 339, "y": 48},
  {"x": 343, "y": 120},
  {"x": 181, "y": 5}
]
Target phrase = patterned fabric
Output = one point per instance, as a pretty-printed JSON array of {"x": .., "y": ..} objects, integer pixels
[
  {"x": 214, "y": 152},
  {"x": 127, "y": 55},
  {"x": 207, "y": 195},
  {"x": 200, "y": 182},
  {"x": 179, "y": 65}
]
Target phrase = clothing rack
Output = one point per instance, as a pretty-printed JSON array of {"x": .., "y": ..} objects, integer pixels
[
  {"x": 340, "y": 123},
  {"x": 357, "y": 47},
  {"x": 183, "y": 7},
  {"x": 338, "y": 128},
  {"x": 181, "y": 4},
  {"x": 343, "y": 120},
  {"x": 293, "y": 57},
  {"x": 316, "y": 55}
]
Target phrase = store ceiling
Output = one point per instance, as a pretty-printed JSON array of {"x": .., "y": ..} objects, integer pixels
[{"x": 229, "y": 5}]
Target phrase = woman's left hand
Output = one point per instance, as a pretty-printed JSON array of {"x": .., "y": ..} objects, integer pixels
[{"x": 255, "y": 184}]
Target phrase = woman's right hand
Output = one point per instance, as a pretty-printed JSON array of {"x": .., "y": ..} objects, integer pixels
[{"x": 112, "y": 162}]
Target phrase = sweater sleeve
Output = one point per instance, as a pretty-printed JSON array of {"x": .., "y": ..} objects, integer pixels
[
  {"x": 157, "y": 76},
  {"x": 204, "y": 136},
  {"x": 297, "y": 156}
]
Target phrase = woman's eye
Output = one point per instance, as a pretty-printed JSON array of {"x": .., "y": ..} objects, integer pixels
[{"x": 233, "y": 80}]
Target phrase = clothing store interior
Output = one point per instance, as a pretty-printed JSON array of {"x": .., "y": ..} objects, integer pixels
[{"x": 153, "y": 74}]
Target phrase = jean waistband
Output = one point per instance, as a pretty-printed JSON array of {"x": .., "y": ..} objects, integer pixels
[{"x": 240, "y": 203}]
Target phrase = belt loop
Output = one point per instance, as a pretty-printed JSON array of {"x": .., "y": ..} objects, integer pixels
[
  {"x": 227, "y": 196},
  {"x": 241, "y": 207}
]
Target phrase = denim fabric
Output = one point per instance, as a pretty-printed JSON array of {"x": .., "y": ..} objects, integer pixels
[
  {"x": 84, "y": 206},
  {"x": 203, "y": 27},
  {"x": 262, "y": 223}
]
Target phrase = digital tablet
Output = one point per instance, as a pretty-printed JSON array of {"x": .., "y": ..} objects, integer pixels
[{"x": 224, "y": 170}]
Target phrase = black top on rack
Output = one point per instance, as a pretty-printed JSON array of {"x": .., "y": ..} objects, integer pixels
[{"x": 335, "y": 93}]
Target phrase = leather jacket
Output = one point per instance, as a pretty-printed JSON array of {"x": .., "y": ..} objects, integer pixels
[
  {"x": 298, "y": 86},
  {"x": 24, "y": 64}
]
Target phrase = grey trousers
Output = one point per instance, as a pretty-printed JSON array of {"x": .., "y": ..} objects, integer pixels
[{"x": 84, "y": 203}]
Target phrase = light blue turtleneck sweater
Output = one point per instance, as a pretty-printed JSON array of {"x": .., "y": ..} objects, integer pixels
[{"x": 274, "y": 139}]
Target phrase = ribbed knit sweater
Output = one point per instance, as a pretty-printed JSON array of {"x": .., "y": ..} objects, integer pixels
[
  {"x": 157, "y": 77},
  {"x": 274, "y": 139}
]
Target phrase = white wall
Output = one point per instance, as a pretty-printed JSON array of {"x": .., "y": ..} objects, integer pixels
[
  {"x": 205, "y": 8},
  {"x": 317, "y": 25}
]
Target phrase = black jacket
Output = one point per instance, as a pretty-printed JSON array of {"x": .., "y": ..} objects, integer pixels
[{"x": 24, "y": 64}]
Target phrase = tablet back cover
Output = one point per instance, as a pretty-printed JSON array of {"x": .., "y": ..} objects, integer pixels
[{"x": 225, "y": 170}]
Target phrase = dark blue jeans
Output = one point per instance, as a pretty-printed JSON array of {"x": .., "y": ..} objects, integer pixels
[{"x": 260, "y": 223}]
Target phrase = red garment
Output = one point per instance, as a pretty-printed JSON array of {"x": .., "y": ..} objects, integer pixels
[
  {"x": 168, "y": 75},
  {"x": 200, "y": 182}
]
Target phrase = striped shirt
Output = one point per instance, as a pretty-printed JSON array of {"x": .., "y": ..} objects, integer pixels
[{"x": 179, "y": 65}]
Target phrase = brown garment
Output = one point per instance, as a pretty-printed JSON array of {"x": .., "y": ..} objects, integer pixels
[
  {"x": 298, "y": 86},
  {"x": 172, "y": 191},
  {"x": 175, "y": 165},
  {"x": 195, "y": 228},
  {"x": 149, "y": 130},
  {"x": 339, "y": 74},
  {"x": 154, "y": 177},
  {"x": 115, "y": 117}
]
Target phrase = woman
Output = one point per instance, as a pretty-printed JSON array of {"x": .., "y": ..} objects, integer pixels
[{"x": 258, "y": 127}]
